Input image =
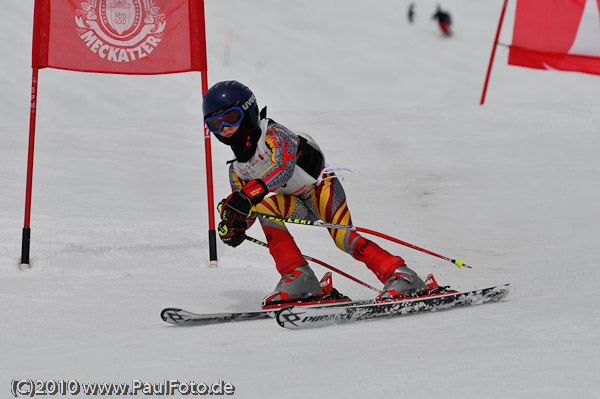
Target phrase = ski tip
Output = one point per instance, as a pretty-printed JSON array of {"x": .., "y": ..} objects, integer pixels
[
  {"x": 167, "y": 314},
  {"x": 289, "y": 317}
]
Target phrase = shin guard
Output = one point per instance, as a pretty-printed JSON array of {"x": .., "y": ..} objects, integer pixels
[
  {"x": 283, "y": 249},
  {"x": 377, "y": 259}
]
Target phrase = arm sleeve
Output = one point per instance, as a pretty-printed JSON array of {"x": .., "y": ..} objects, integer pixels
[
  {"x": 284, "y": 148},
  {"x": 235, "y": 181}
]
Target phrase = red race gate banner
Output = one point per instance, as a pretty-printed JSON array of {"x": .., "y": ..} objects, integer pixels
[
  {"x": 557, "y": 34},
  {"x": 138, "y": 37}
]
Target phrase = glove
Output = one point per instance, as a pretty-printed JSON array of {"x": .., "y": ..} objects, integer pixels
[
  {"x": 232, "y": 233},
  {"x": 238, "y": 205}
]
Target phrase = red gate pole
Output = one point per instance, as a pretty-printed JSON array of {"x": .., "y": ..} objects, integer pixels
[
  {"x": 489, "y": 71},
  {"x": 25, "y": 244},
  {"x": 212, "y": 235}
]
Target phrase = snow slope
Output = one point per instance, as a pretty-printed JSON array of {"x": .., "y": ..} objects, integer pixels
[{"x": 119, "y": 209}]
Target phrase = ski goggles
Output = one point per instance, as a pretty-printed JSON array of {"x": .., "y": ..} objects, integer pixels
[{"x": 230, "y": 117}]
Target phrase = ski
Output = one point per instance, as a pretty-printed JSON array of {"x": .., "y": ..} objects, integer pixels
[
  {"x": 298, "y": 317},
  {"x": 180, "y": 317}
]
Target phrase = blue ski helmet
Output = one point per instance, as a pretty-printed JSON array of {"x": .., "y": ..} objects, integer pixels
[{"x": 229, "y": 94}]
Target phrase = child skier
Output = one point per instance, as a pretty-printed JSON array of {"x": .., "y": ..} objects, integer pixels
[
  {"x": 444, "y": 20},
  {"x": 270, "y": 158},
  {"x": 411, "y": 13}
]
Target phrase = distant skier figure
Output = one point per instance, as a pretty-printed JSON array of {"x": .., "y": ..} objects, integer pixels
[
  {"x": 411, "y": 13},
  {"x": 444, "y": 20},
  {"x": 270, "y": 158}
]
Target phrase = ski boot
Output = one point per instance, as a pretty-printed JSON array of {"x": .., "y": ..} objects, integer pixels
[
  {"x": 301, "y": 287},
  {"x": 403, "y": 283},
  {"x": 428, "y": 288}
]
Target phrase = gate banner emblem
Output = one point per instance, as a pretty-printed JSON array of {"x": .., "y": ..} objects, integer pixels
[
  {"x": 120, "y": 36},
  {"x": 557, "y": 34},
  {"x": 122, "y": 14}
]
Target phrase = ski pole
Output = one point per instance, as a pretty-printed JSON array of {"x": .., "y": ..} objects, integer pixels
[
  {"x": 317, "y": 261},
  {"x": 320, "y": 223},
  {"x": 458, "y": 263}
]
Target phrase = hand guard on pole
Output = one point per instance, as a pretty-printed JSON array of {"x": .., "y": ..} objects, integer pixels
[
  {"x": 232, "y": 233},
  {"x": 238, "y": 205}
]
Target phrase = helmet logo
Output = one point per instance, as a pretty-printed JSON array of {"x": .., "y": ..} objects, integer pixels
[
  {"x": 248, "y": 103},
  {"x": 120, "y": 30}
]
